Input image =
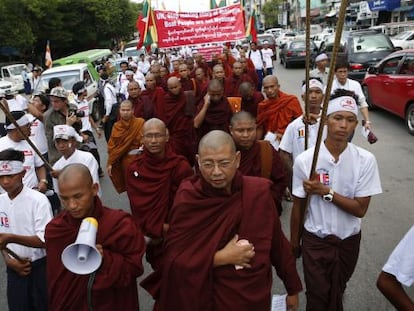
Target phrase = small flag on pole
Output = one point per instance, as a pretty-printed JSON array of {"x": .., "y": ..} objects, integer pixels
[{"x": 48, "y": 56}]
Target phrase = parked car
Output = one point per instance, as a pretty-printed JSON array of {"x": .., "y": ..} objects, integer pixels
[
  {"x": 285, "y": 37},
  {"x": 404, "y": 39},
  {"x": 361, "y": 49},
  {"x": 271, "y": 41},
  {"x": 390, "y": 85},
  {"x": 5, "y": 87},
  {"x": 13, "y": 74},
  {"x": 276, "y": 32},
  {"x": 294, "y": 52}
]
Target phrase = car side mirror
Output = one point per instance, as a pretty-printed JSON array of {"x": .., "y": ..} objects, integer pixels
[{"x": 373, "y": 70}]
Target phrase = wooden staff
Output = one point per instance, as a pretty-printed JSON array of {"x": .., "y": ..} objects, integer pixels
[
  {"x": 337, "y": 42},
  {"x": 308, "y": 56},
  {"x": 13, "y": 120}
]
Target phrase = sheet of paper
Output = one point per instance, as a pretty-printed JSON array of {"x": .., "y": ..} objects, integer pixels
[
  {"x": 364, "y": 132},
  {"x": 278, "y": 303}
]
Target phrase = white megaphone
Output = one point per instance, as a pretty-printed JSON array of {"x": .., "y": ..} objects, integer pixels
[{"x": 82, "y": 257}]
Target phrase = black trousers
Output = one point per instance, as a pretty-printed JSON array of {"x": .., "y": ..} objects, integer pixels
[{"x": 28, "y": 293}]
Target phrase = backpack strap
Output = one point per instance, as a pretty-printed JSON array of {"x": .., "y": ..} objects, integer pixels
[{"x": 266, "y": 152}]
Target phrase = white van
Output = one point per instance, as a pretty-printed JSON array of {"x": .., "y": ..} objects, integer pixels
[
  {"x": 13, "y": 74},
  {"x": 276, "y": 32}
]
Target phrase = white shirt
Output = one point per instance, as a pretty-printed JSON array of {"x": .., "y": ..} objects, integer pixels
[
  {"x": 316, "y": 73},
  {"x": 256, "y": 58},
  {"x": 38, "y": 133},
  {"x": 119, "y": 80},
  {"x": 293, "y": 140},
  {"x": 81, "y": 157},
  {"x": 18, "y": 103},
  {"x": 144, "y": 66},
  {"x": 124, "y": 87},
  {"x": 110, "y": 97},
  {"x": 31, "y": 159},
  {"x": 267, "y": 57},
  {"x": 401, "y": 261},
  {"x": 86, "y": 123},
  {"x": 138, "y": 76},
  {"x": 354, "y": 86},
  {"x": 27, "y": 214},
  {"x": 354, "y": 175}
]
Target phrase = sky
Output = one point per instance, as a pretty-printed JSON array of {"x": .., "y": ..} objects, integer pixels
[{"x": 184, "y": 5}]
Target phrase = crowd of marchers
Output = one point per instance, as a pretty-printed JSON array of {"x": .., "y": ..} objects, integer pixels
[{"x": 206, "y": 152}]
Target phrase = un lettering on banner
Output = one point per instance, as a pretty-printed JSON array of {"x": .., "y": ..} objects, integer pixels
[{"x": 218, "y": 25}]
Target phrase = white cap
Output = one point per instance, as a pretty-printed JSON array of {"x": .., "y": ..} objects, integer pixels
[
  {"x": 65, "y": 132},
  {"x": 320, "y": 57},
  {"x": 343, "y": 103}
]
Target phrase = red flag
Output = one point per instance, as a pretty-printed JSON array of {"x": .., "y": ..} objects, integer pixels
[
  {"x": 142, "y": 23},
  {"x": 251, "y": 32}
]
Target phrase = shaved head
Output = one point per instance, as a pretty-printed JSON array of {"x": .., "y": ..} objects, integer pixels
[
  {"x": 174, "y": 85},
  {"x": 215, "y": 85},
  {"x": 270, "y": 79},
  {"x": 242, "y": 116},
  {"x": 154, "y": 122},
  {"x": 78, "y": 172},
  {"x": 215, "y": 140}
]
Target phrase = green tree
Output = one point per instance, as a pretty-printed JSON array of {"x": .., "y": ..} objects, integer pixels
[{"x": 270, "y": 10}]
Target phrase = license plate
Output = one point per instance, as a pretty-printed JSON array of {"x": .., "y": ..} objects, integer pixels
[{"x": 302, "y": 53}]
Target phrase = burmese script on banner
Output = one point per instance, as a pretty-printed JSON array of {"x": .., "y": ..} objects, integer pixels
[{"x": 218, "y": 25}]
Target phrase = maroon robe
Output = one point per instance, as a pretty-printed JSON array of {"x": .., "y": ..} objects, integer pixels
[
  {"x": 253, "y": 75},
  {"x": 217, "y": 117},
  {"x": 115, "y": 285},
  {"x": 188, "y": 84},
  {"x": 233, "y": 83},
  {"x": 251, "y": 165},
  {"x": 177, "y": 112},
  {"x": 251, "y": 104},
  {"x": 143, "y": 108},
  {"x": 202, "y": 221}
]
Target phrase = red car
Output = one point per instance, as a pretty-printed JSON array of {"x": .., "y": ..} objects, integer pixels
[{"x": 389, "y": 85}]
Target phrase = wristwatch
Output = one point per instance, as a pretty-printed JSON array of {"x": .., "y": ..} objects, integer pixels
[{"x": 329, "y": 196}]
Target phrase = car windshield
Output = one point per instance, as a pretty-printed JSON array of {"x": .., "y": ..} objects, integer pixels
[
  {"x": 68, "y": 78},
  {"x": 298, "y": 45},
  {"x": 16, "y": 70},
  {"x": 372, "y": 43},
  {"x": 403, "y": 35}
]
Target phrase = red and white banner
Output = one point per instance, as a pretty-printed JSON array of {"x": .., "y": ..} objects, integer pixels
[
  {"x": 208, "y": 51},
  {"x": 213, "y": 26}
]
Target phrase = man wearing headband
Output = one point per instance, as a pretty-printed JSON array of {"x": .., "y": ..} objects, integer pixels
[
  {"x": 24, "y": 215},
  {"x": 66, "y": 141},
  {"x": 293, "y": 141},
  {"x": 340, "y": 189},
  {"x": 35, "y": 176},
  {"x": 321, "y": 71}
]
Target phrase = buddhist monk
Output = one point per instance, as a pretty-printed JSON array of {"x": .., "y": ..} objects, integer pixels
[
  {"x": 251, "y": 72},
  {"x": 142, "y": 108},
  {"x": 276, "y": 112},
  {"x": 258, "y": 158},
  {"x": 224, "y": 237},
  {"x": 177, "y": 109},
  {"x": 123, "y": 145},
  {"x": 250, "y": 98},
  {"x": 235, "y": 79},
  {"x": 119, "y": 241},
  {"x": 214, "y": 112},
  {"x": 152, "y": 180},
  {"x": 187, "y": 83}
]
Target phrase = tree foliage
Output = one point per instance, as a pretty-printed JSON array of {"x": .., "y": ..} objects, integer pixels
[
  {"x": 270, "y": 10},
  {"x": 69, "y": 25}
]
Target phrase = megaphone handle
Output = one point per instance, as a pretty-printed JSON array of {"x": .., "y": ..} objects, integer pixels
[{"x": 89, "y": 290}]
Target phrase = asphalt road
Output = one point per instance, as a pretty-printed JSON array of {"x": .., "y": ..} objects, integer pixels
[{"x": 389, "y": 216}]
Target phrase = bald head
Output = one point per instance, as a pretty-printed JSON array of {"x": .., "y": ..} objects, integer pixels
[
  {"x": 77, "y": 173},
  {"x": 155, "y": 137},
  {"x": 242, "y": 116},
  {"x": 154, "y": 122},
  {"x": 215, "y": 140},
  {"x": 215, "y": 85},
  {"x": 270, "y": 79},
  {"x": 174, "y": 85}
]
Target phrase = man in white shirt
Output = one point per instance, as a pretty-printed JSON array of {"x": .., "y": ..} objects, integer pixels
[
  {"x": 267, "y": 57},
  {"x": 342, "y": 81},
  {"x": 258, "y": 61},
  {"x": 66, "y": 140},
  {"x": 398, "y": 271},
  {"x": 143, "y": 64},
  {"x": 24, "y": 216},
  {"x": 321, "y": 71},
  {"x": 340, "y": 189},
  {"x": 111, "y": 106},
  {"x": 35, "y": 175}
]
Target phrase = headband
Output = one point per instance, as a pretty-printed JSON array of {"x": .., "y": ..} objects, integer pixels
[
  {"x": 343, "y": 103},
  {"x": 313, "y": 83},
  {"x": 10, "y": 167},
  {"x": 23, "y": 120}
]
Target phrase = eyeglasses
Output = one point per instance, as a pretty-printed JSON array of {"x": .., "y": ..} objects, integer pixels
[
  {"x": 209, "y": 165},
  {"x": 155, "y": 136}
]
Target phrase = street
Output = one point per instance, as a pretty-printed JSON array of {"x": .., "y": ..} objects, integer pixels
[{"x": 388, "y": 218}]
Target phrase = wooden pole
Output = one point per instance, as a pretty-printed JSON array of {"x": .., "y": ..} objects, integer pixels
[
  {"x": 13, "y": 120},
  {"x": 308, "y": 56}
]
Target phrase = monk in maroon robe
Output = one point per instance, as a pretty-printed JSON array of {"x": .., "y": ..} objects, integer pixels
[
  {"x": 177, "y": 109},
  {"x": 250, "y": 98},
  {"x": 251, "y": 72},
  {"x": 187, "y": 83},
  {"x": 143, "y": 107},
  {"x": 119, "y": 241},
  {"x": 258, "y": 158},
  {"x": 152, "y": 91},
  {"x": 224, "y": 236},
  {"x": 233, "y": 81},
  {"x": 214, "y": 113},
  {"x": 152, "y": 180}
]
